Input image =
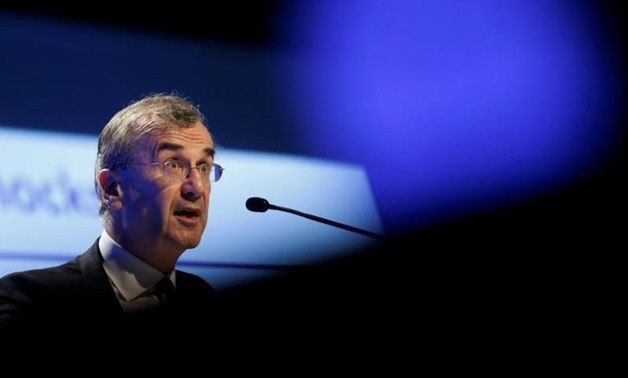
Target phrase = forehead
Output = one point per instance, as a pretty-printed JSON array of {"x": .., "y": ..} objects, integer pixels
[{"x": 192, "y": 140}]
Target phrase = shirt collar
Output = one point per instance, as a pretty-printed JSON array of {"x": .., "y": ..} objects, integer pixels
[{"x": 130, "y": 275}]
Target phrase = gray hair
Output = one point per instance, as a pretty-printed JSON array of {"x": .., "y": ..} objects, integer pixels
[{"x": 150, "y": 115}]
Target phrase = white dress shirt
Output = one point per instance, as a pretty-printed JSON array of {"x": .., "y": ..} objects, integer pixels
[{"x": 132, "y": 279}]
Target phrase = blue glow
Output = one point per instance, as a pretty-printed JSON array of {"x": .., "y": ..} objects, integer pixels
[{"x": 451, "y": 106}]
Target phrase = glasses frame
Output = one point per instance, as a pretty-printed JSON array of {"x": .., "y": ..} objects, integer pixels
[{"x": 217, "y": 169}]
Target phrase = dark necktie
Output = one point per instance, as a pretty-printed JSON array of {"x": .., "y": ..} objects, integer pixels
[{"x": 164, "y": 289}]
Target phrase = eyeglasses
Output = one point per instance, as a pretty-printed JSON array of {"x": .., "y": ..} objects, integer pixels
[{"x": 176, "y": 169}]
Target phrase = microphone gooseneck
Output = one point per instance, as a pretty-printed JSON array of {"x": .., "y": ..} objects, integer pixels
[{"x": 261, "y": 205}]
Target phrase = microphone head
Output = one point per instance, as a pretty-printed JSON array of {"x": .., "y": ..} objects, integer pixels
[{"x": 257, "y": 204}]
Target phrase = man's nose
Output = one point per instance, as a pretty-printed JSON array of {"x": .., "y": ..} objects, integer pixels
[{"x": 194, "y": 183}]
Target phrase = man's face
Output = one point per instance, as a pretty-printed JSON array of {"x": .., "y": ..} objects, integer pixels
[{"x": 161, "y": 213}]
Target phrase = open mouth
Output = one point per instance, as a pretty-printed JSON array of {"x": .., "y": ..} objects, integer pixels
[{"x": 188, "y": 213}]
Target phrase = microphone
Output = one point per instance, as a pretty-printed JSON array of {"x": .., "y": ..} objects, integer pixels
[{"x": 261, "y": 205}]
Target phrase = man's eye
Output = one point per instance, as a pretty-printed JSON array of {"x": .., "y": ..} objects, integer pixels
[
  {"x": 204, "y": 168},
  {"x": 173, "y": 164}
]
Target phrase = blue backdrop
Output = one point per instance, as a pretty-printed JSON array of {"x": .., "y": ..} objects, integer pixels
[{"x": 500, "y": 121}]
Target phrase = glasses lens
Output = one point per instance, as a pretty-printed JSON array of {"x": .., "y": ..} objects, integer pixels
[
  {"x": 173, "y": 169},
  {"x": 216, "y": 173}
]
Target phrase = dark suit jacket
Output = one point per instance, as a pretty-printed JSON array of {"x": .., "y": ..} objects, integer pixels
[{"x": 65, "y": 298}]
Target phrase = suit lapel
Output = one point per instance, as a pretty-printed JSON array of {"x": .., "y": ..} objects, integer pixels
[{"x": 97, "y": 283}]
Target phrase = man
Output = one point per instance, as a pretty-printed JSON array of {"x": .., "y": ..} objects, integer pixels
[{"x": 153, "y": 177}]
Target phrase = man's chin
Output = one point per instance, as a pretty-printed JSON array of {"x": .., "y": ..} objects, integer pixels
[
  {"x": 190, "y": 243},
  {"x": 187, "y": 241},
  {"x": 193, "y": 245}
]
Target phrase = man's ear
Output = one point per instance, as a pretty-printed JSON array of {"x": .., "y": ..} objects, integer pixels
[{"x": 110, "y": 189}]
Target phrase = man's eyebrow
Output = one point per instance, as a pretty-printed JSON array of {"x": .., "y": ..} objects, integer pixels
[
  {"x": 177, "y": 147},
  {"x": 210, "y": 152},
  {"x": 169, "y": 146}
]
